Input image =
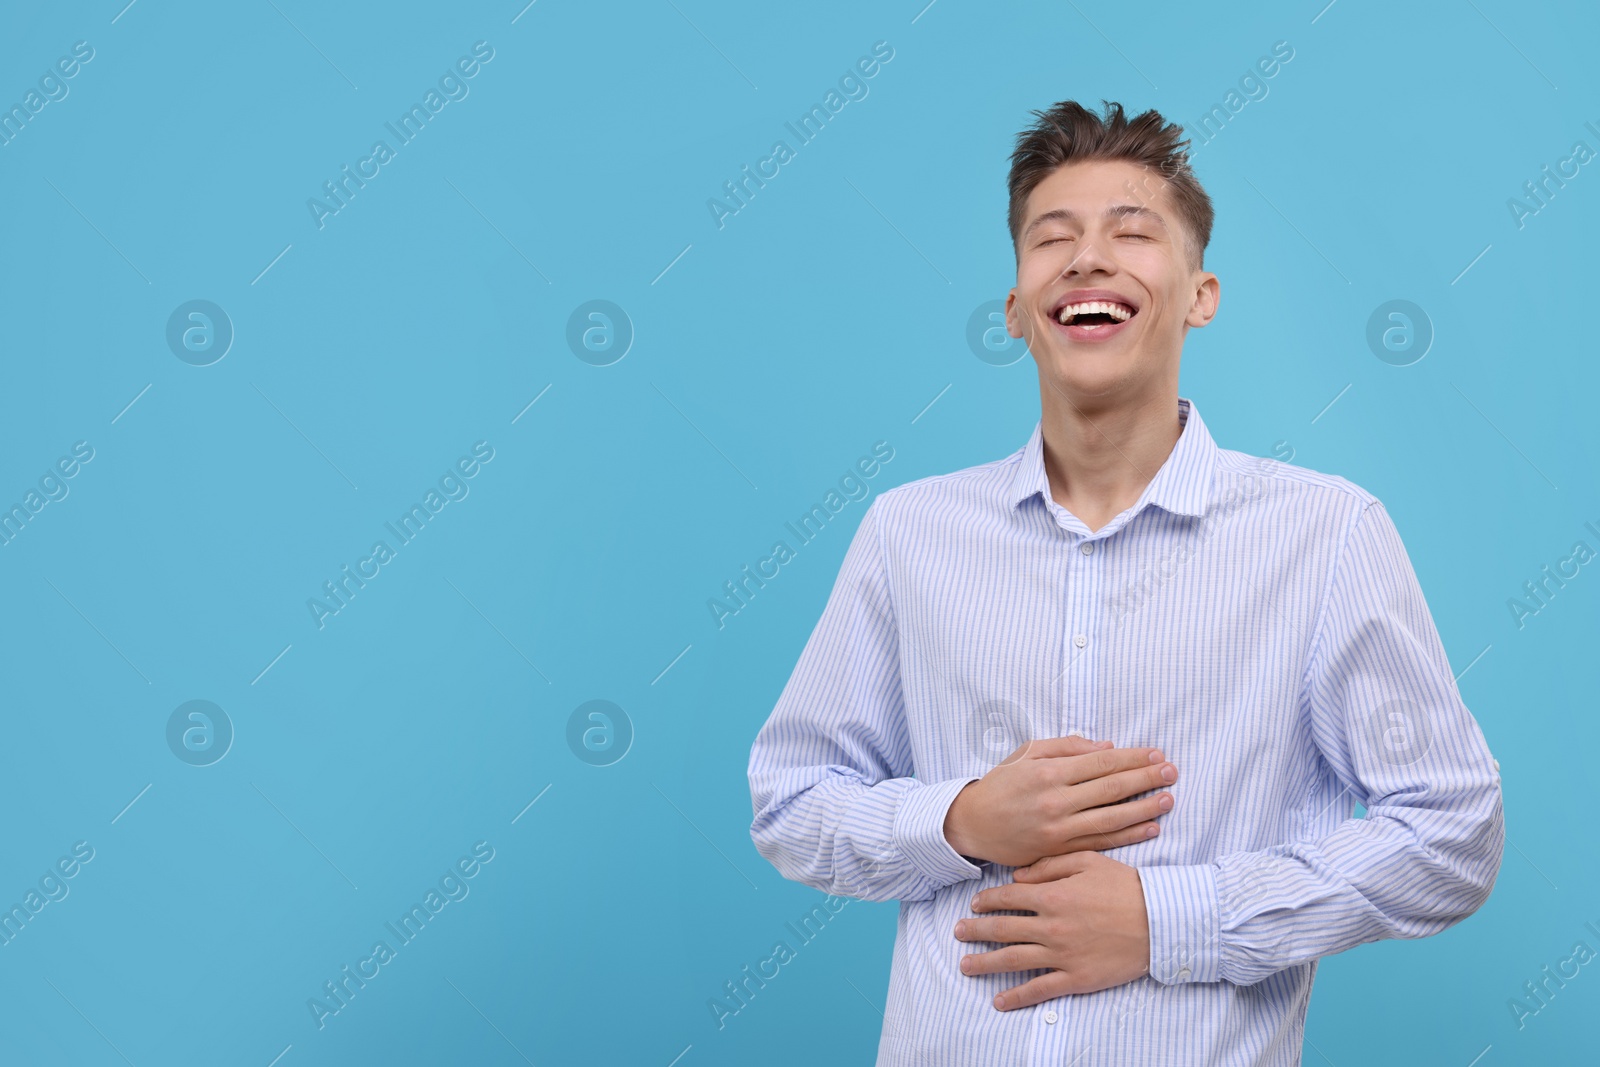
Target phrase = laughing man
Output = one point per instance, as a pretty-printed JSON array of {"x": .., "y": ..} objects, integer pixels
[{"x": 1256, "y": 625}]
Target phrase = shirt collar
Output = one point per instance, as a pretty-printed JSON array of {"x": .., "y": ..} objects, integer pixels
[{"x": 1182, "y": 486}]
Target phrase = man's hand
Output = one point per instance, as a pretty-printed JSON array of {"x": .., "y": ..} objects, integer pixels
[
  {"x": 1059, "y": 796},
  {"x": 1090, "y": 926}
]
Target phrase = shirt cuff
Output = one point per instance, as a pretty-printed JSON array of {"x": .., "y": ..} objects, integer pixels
[
  {"x": 1185, "y": 923},
  {"x": 919, "y": 832}
]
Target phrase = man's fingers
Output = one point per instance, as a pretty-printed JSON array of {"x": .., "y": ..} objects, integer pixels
[
  {"x": 1058, "y": 747},
  {"x": 1001, "y": 929},
  {"x": 1131, "y": 835},
  {"x": 1051, "y": 868},
  {"x": 1043, "y": 988},
  {"x": 1003, "y": 960},
  {"x": 1110, "y": 818},
  {"x": 1073, "y": 769},
  {"x": 1009, "y": 897},
  {"x": 1121, "y": 785}
]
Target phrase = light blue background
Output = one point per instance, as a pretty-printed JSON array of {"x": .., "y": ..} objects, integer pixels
[{"x": 770, "y": 354}]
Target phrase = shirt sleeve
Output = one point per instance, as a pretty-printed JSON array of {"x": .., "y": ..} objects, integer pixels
[
  {"x": 836, "y": 804},
  {"x": 1388, "y": 719}
]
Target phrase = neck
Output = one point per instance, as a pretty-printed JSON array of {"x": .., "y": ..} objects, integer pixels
[{"x": 1100, "y": 459}]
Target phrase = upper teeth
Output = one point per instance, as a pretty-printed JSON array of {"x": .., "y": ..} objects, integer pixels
[{"x": 1116, "y": 311}]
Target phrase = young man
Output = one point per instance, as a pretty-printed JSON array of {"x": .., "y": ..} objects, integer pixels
[{"x": 1121, "y": 577}]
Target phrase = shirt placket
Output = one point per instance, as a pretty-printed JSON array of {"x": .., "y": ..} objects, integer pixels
[
  {"x": 1081, "y": 635},
  {"x": 1080, "y": 648}
]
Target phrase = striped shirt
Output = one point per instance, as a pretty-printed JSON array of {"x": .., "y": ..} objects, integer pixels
[{"x": 1258, "y": 622}]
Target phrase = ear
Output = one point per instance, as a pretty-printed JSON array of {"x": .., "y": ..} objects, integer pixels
[
  {"x": 1207, "y": 295},
  {"x": 1013, "y": 320}
]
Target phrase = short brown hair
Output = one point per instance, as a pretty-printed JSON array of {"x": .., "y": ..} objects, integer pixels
[{"x": 1071, "y": 133}]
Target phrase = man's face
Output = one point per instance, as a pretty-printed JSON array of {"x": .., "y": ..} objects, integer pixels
[{"x": 1096, "y": 233}]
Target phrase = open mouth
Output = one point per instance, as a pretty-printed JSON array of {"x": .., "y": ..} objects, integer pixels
[
  {"x": 1086, "y": 320},
  {"x": 1094, "y": 313}
]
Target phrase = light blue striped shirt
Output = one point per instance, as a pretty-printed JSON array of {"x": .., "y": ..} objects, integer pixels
[{"x": 1258, "y": 622}]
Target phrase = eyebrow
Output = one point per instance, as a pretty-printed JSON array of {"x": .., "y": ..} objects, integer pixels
[{"x": 1115, "y": 211}]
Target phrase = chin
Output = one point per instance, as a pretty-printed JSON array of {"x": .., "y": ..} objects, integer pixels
[
  {"x": 1086, "y": 386},
  {"x": 1087, "y": 369}
]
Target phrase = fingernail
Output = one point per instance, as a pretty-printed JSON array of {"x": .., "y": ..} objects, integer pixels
[
  {"x": 966, "y": 964},
  {"x": 1000, "y": 1003},
  {"x": 1165, "y": 804},
  {"x": 961, "y": 928},
  {"x": 1102, "y": 744},
  {"x": 974, "y": 903},
  {"x": 1169, "y": 774},
  {"x": 1156, "y": 756},
  {"x": 1151, "y": 832}
]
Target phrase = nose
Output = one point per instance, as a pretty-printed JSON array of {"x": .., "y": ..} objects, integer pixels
[{"x": 1089, "y": 257}]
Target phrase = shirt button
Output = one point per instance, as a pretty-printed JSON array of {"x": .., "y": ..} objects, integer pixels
[
  {"x": 1051, "y": 1016},
  {"x": 1183, "y": 972},
  {"x": 1497, "y": 765},
  {"x": 1088, "y": 548},
  {"x": 1080, "y": 640}
]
